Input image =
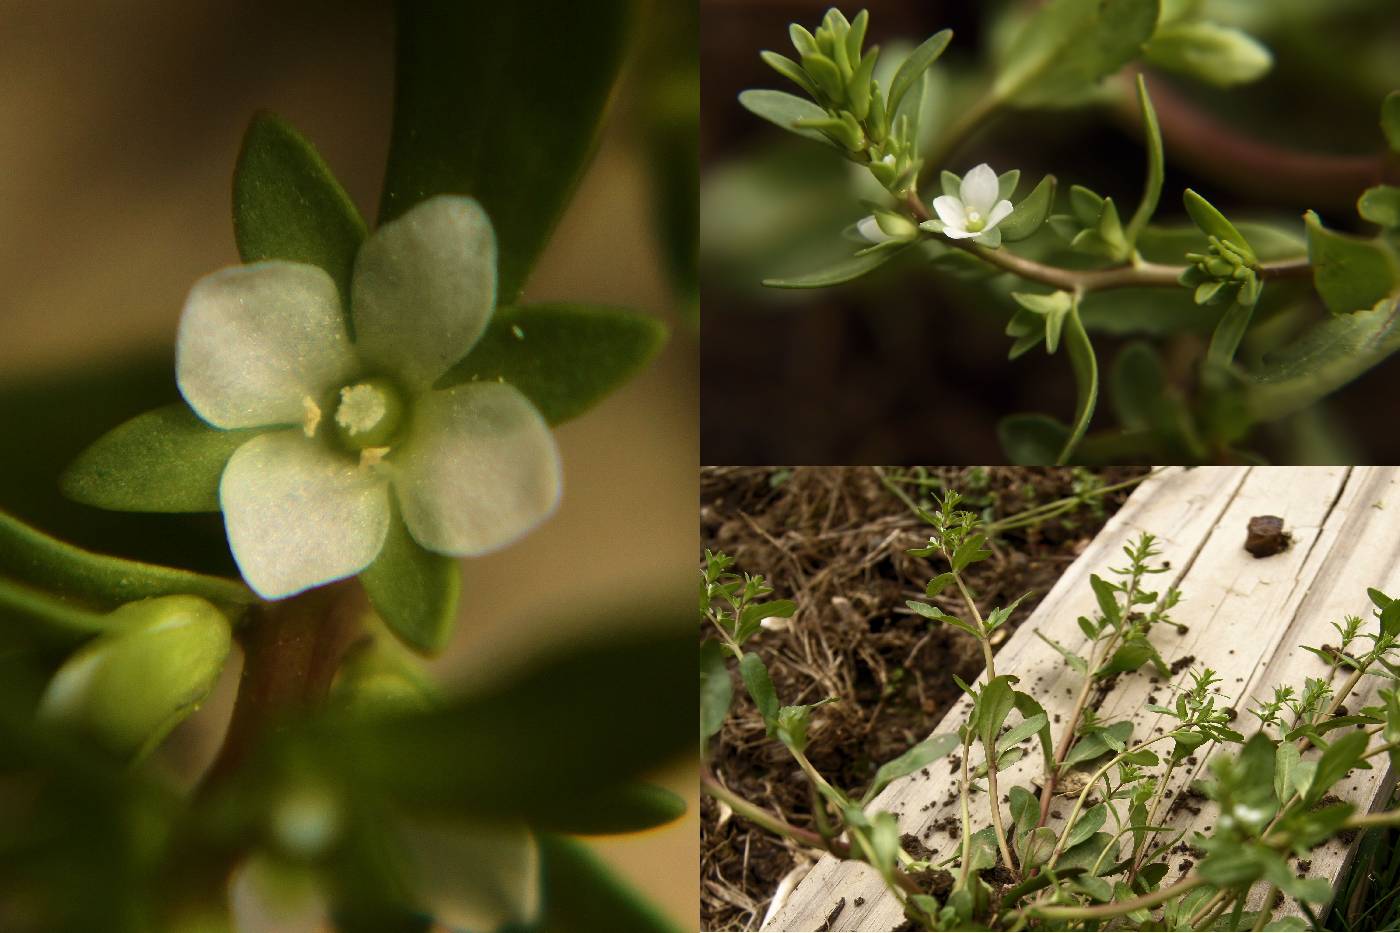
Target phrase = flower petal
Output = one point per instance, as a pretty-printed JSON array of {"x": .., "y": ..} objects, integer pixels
[
  {"x": 950, "y": 210},
  {"x": 980, "y": 189},
  {"x": 424, "y": 288},
  {"x": 479, "y": 470},
  {"x": 999, "y": 213},
  {"x": 957, "y": 233},
  {"x": 869, "y": 228},
  {"x": 299, "y": 515},
  {"x": 255, "y": 341}
]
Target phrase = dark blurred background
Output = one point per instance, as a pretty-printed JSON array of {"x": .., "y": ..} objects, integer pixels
[
  {"x": 909, "y": 365},
  {"x": 120, "y": 121}
]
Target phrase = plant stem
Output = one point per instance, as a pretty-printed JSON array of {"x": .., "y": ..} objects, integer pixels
[
  {"x": 291, "y": 652},
  {"x": 769, "y": 821},
  {"x": 1118, "y": 908},
  {"x": 1264, "y": 169},
  {"x": 1084, "y": 795},
  {"x": 1136, "y": 274}
]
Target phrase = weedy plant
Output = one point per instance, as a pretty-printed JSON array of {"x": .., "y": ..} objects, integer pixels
[
  {"x": 1082, "y": 257},
  {"x": 364, "y": 408},
  {"x": 1105, "y": 859}
]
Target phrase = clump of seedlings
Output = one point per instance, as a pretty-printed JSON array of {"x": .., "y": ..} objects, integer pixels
[{"x": 1102, "y": 854}]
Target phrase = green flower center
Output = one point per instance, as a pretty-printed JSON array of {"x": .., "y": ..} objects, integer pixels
[
  {"x": 975, "y": 221},
  {"x": 368, "y": 414}
]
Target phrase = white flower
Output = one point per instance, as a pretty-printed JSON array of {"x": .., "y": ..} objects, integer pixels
[
  {"x": 869, "y": 228},
  {"x": 355, "y": 429},
  {"x": 978, "y": 211}
]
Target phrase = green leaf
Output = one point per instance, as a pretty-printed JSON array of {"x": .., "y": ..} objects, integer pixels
[
  {"x": 1220, "y": 55},
  {"x": 1286, "y": 762},
  {"x": 469, "y": 119},
  {"x": 1097, "y": 743},
  {"x": 785, "y": 110},
  {"x": 1028, "y": 216},
  {"x": 1334, "y": 763},
  {"x": 565, "y": 357},
  {"x": 716, "y": 689},
  {"x": 1031, "y": 439},
  {"x": 623, "y": 808},
  {"x": 1213, "y": 223},
  {"x": 1390, "y": 120},
  {"x": 1226, "y": 337},
  {"x": 1156, "y": 166},
  {"x": 166, "y": 460},
  {"x": 1089, "y": 822},
  {"x": 126, "y": 689},
  {"x": 914, "y": 66},
  {"x": 414, "y": 590},
  {"x": 993, "y": 705},
  {"x": 288, "y": 205},
  {"x": 1350, "y": 273},
  {"x": 1131, "y": 655},
  {"x": 1021, "y": 731},
  {"x": 789, "y": 69},
  {"x": 1067, "y": 46},
  {"x": 753, "y": 615},
  {"x": 1322, "y": 360},
  {"x": 760, "y": 686},
  {"x": 582, "y": 895},
  {"x": 1381, "y": 206},
  {"x": 930, "y": 749},
  {"x": 513, "y": 749},
  {"x": 1086, "y": 380},
  {"x": 85, "y": 580},
  {"x": 1087, "y": 853},
  {"x": 846, "y": 270}
]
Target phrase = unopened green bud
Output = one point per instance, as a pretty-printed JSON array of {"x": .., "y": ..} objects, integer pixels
[
  {"x": 125, "y": 690},
  {"x": 896, "y": 225}
]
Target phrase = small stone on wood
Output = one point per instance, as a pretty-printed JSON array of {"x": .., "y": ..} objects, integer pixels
[{"x": 1266, "y": 536}]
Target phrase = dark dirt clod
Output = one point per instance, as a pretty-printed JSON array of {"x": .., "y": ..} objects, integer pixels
[
  {"x": 914, "y": 847},
  {"x": 1181, "y": 664},
  {"x": 1266, "y": 536},
  {"x": 858, "y": 901},
  {"x": 835, "y": 540}
]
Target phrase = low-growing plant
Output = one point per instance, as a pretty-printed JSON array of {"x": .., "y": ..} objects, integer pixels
[
  {"x": 1106, "y": 859},
  {"x": 1060, "y": 264}
]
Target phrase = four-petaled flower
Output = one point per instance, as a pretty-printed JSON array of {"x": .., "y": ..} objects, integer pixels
[
  {"x": 354, "y": 429},
  {"x": 978, "y": 211}
]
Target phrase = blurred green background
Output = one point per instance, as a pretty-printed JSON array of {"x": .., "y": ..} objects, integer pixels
[
  {"x": 122, "y": 121},
  {"x": 909, "y": 365}
]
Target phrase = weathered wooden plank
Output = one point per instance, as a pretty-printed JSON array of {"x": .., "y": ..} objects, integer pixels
[
  {"x": 1242, "y": 615},
  {"x": 1179, "y": 506},
  {"x": 1359, "y": 547}
]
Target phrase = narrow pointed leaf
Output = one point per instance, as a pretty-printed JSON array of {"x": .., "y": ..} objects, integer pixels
[
  {"x": 913, "y": 68},
  {"x": 582, "y": 895},
  {"x": 1086, "y": 380},
  {"x": 1156, "y": 165},
  {"x": 414, "y": 590},
  {"x": 847, "y": 270},
  {"x": 288, "y": 205},
  {"x": 1028, "y": 215},
  {"x": 468, "y": 120},
  {"x": 96, "y": 581},
  {"x": 565, "y": 357},
  {"x": 624, "y": 808},
  {"x": 166, "y": 460},
  {"x": 785, "y": 110}
]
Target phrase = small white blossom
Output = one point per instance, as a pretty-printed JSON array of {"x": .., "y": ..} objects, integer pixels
[
  {"x": 978, "y": 211},
  {"x": 869, "y": 228},
  {"x": 354, "y": 430}
]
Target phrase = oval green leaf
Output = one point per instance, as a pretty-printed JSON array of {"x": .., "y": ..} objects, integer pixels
[
  {"x": 288, "y": 205},
  {"x": 414, "y": 590},
  {"x": 1028, "y": 216},
  {"x": 490, "y": 103},
  {"x": 565, "y": 357},
  {"x": 166, "y": 460}
]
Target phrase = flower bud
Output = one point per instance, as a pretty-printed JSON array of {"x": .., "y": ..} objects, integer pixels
[{"x": 125, "y": 690}]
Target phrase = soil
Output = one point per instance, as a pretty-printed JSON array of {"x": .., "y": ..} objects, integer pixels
[{"x": 834, "y": 539}]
